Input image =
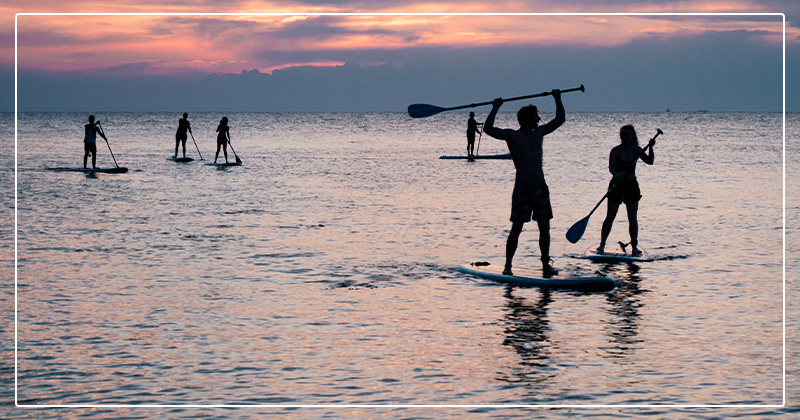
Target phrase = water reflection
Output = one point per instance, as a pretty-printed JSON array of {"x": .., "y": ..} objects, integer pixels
[
  {"x": 527, "y": 327},
  {"x": 625, "y": 301}
]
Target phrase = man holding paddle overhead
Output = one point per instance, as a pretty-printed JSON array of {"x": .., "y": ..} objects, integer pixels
[
  {"x": 531, "y": 196},
  {"x": 91, "y": 131}
]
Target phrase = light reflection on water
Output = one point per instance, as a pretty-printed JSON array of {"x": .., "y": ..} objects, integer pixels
[{"x": 323, "y": 270}]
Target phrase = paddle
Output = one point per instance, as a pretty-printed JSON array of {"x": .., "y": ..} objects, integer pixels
[
  {"x": 239, "y": 161},
  {"x": 109, "y": 146},
  {"x": 425, "y": 110},
  {"x": 198, "y": 149},
  {"x": 575, "y": 233},
  {"x": 480, "y": 134}
]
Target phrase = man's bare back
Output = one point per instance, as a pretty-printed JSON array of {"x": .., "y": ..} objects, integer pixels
[
  {"x": 526, "y": 152},
  {"x": 525, "y": 143},
  {"x": 531, "y": 196}
]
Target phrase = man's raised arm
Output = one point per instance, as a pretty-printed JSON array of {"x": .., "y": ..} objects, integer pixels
[
  {"x": 488, "y": 126},
  {"x": 561, "y": 115}
]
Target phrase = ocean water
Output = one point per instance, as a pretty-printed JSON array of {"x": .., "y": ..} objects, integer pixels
[{"x": 323, "y": 272}]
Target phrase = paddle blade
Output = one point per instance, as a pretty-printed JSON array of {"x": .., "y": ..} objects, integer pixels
[
  {"x": 423, "y": 110},
  {"x": 575, "y": 233},
  {"x": 239, "y": 161}
]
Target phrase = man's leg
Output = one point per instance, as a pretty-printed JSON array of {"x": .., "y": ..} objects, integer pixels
[
  {"x": 544, "y": 247},
  {"x": 511, "y": 244},
  {"x": 544, "y": 239}
]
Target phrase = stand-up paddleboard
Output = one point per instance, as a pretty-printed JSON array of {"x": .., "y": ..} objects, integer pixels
[
  {"x": 501, "y": 156},
  {"x": 534, "y": 277},
  {"x": 611, "y": 256},
  {"x": 180, "y": 159},
  {"x": 224, "y": 164},
  {"x": 117, "y": 170}
]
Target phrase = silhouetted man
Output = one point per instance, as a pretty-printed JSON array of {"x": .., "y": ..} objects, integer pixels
[
  {"x": 472, "y": 128},
  {"x": 91, "y": 131},
  {"x": 180, "y": 135},
  {"x": 531, "y": 196}
]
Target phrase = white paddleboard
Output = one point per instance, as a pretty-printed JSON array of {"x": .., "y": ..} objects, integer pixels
[
  {"x": 613, "y": 256},
  {"x": 502, "y": 156},
  {"x": 118, "y": 170},
  {"x": 224, "y": 164},
  {"x": 534, "y": 277},
  {"x": 180, "y": 159}
]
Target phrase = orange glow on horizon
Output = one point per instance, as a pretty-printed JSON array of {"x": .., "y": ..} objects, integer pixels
[{"x": 216, "y": 43}]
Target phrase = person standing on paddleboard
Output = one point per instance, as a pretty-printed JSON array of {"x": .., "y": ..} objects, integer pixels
[
  {"x": 91, "y": 131},
  {"x": 472, "y": 128},
  {"x": 531, "y": 196},
  {"x": 623, "y": 187},
  {"x": 180, "y": 135},
  {"x": 223, "y": 137}
]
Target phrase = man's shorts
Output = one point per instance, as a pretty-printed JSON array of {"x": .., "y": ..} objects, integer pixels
[
  {"x": 90, "y": 148},
  {"x": 626, "y": 191},
  {"x": 530, "y": 202}
]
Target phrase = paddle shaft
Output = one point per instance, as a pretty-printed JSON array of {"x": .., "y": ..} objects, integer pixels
[
  {"x": 536, "y": 95},
  {"x": 195, "y": 145},
  {"x": 234, "y": 151},
  {"x": 107, "y": 144},
  {"x": 425, "y": 110},
  {"x": 478, "y": 151}
]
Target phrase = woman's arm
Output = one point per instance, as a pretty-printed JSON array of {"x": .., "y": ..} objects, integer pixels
[
  {"x": 649, "y": 158},
  {"x": 612, "y": 162}
]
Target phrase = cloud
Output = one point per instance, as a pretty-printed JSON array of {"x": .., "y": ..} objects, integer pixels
[
  {"x": 228, "y": 44},
  {"x": 720, "y": 71},
  {"x": 151, "y": 61}
]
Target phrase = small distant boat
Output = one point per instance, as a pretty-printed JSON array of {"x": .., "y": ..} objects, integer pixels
[{"x": 500, "y": 156}]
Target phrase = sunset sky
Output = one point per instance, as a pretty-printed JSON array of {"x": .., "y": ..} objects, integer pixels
[{"x": 306, "y": 59}]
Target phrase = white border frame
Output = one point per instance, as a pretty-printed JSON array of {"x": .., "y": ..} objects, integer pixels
[{"x": 498, "y": 406}]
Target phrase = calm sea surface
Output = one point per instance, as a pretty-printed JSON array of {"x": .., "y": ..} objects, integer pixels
[{"x": 324, "y": 271}]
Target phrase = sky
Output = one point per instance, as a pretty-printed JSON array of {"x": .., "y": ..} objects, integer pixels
[{"x": 244, "y": 55}]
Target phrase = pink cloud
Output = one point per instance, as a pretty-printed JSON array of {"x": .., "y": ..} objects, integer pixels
[{"x": 232, "y": 43}]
